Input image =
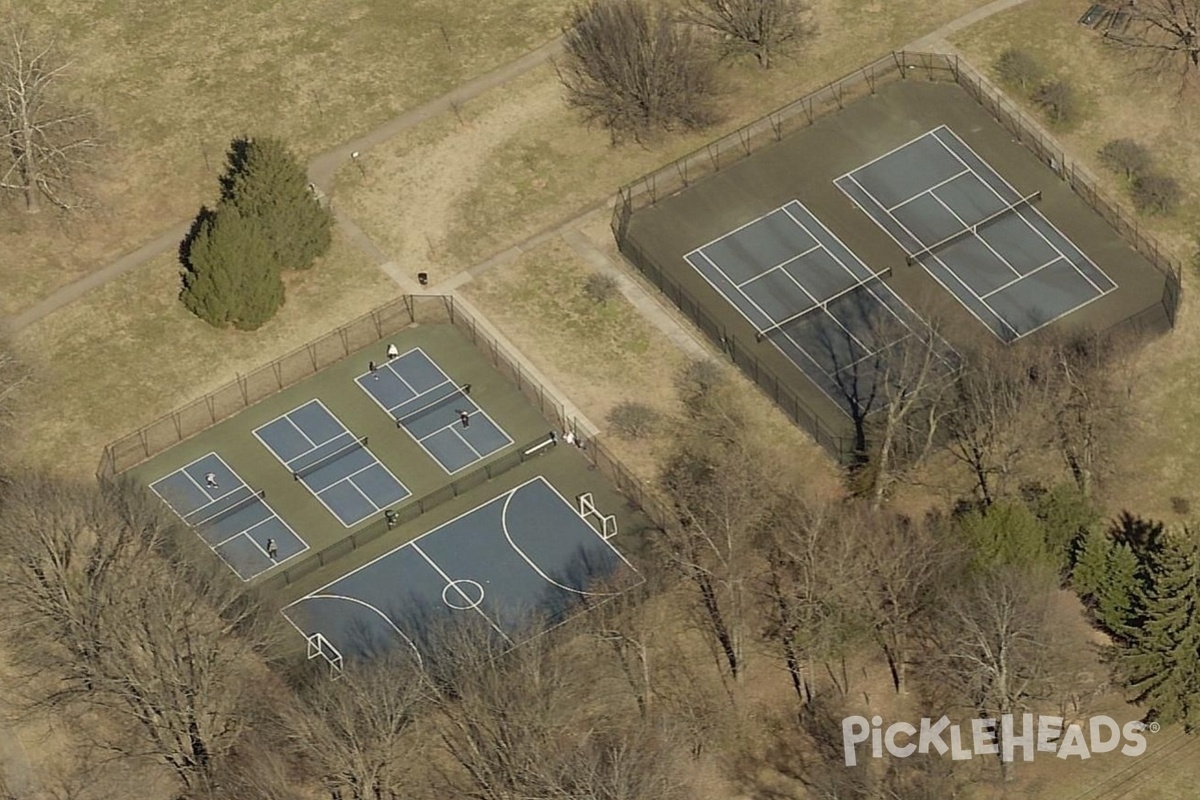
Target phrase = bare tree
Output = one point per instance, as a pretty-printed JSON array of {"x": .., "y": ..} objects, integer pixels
[
  {"x": 65, "y": 548},
  {"x": 633, "y": 763},
  {"x": 901, "y": 562},
  {"x": 720, "y": 491},
  {"x": 503, "y": 719},
  {"x": 896, "y": 393},
  {"x": 171, "y": 644},
  {"x": 811, "y": 588},
  {"x": 762, "y": 28},
  {"x": 1087, "y": 390},
  {"x": 355, "y": 733},
  {"x": 1166, "y": 34},
  {"x": 623, "y": 626},
  {"x": 989, "y": 432},
  {"x": 995, "y": 644},
  {"x": 635, "y": 70},
  {"x": 48, "y": 142}
]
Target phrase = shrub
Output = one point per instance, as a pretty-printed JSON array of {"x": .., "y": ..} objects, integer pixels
[
  {"x": 631, "y": 419},
  {"x": 1059, "y": 101},
  {"x": 1019, "y": 69},
  {"x": 600, "y": 287},
  {"x": 1125, "y": 156},
  {"x": 1156, "y": 194}
]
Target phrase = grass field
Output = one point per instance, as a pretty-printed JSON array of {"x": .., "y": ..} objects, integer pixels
[
  {"x": 133, "y": 333},
  {"x": 1161, "y": 462},
  {"x": 174, "y": 81},
  {"x": 130, "y": 352},
  {"x": 450, "y": 193}
]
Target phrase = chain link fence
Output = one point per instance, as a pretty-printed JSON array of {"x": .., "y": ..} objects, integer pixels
[
  {"x": 385, "y": 321},
  {"x": 287, "y": 370},
  {"x": 721, "y": 153},
  {"x": 408, "y": 512}
]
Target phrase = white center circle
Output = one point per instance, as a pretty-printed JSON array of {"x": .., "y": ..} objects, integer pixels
[{"x": 462, "y": 595}]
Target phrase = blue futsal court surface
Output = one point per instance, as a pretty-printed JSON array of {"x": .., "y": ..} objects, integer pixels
[
  {"x": 231, "y": 518},
  {"x": 338, "y": 468},
  {"x": 422, "y": 399},
  {"x": 525, "y": 557},
  {"x": 813, "y": 299},
  {"x": 975, "y": 234}
]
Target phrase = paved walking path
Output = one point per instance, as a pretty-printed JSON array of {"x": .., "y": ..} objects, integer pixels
[
  {"x": 321, "y": 171},
  {"x": 324, "y": 166}
]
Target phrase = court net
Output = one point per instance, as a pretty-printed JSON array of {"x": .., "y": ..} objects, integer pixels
[
  {"x": 229, "y": 511},
  {"x": 340, "y": 453},
  {"x": 972, "y": 230},
  {"x": 875, "y": 279},
  {"x": 457, "y": 398}
]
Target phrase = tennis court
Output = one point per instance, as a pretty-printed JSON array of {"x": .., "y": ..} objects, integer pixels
[
  {"x": 526, "y": 557},
  {"x": 438, "y": 413},
  {"x": 232, "y": 519},
  {"x": 333, "y": 464},
  {"x": 975, "y": 234},
  {"x": 812, "y": 298}
]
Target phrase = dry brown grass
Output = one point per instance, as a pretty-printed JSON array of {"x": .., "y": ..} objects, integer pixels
[
  {"x": 175, "y": 81},
  {"x": 130, "y": 352},
  {"x": 450, "y": 193},
  {"x": 1161, "y": 463}
]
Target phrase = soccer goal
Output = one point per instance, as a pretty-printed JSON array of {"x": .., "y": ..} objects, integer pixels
[
  {"x": 606, "y": 524},
  {"x": 319, "y": 647}
]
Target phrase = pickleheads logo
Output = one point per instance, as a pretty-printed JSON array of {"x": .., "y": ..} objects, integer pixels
[{"x": 995, "y": 737}]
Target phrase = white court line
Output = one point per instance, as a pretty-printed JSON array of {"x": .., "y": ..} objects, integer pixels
[
  {"x": 1020, "y": 277},
  {"x": 366, "y": 448},
  {"x": 1020, "y": 213},
  {"x": 781, "y": 264},
  {"x": 851, "y": 254},
  {"x": 727, "y": 234},
  {"x": 896, "y": 149},
  {"x": 592, "y": 530},
  {"x": 270, "y": 510},
  {"x": 348, "y": 599},
  {"x": 976, "y": 235},
  {"x": 324, "y": 593},
  {"x": 478, "y": 410},
  {"x": 930, "y": 190},
  {"x": 928, "y": 271},
  {"x": 451, "y": 582},
  {"x": 750, "y": 300}
]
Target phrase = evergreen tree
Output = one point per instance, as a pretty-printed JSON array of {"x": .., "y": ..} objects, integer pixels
[
  {"x": 230, "y": 276},
  {"x": 1160, "y": 661},
  {"x": 268, "y": 184},
  {"x": 1005, "y": 534},
  {"x": 1106, "y": 577}
]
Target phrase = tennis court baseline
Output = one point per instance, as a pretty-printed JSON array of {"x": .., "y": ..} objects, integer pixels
[
  {"x": 525, "y": 557},
  {"x": 333, "y": 464},
  {"x": 437, "y": 413},
  {"x": 231, "y": 518},
  {"x": 806, "y": 292},
  {"x": 975, "y": 234}
]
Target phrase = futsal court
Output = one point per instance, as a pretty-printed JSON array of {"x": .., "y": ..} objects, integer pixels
[
  {"x": 975, "y": 234},
  {"x": 812, "y": 297},
  {"x": 332, "y": 463},
  {"x": 437, "y": 413},
  {"x": 525, "y": 558},
  {"x": 232, "y": 519}
]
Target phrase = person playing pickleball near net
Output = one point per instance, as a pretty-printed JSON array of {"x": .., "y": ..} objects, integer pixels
[{"x": 464, "y": 418}]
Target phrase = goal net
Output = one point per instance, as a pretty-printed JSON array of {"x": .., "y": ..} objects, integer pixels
[
  {"x": 605, "y": 524},
  {"x": 319, "y": 647}
]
